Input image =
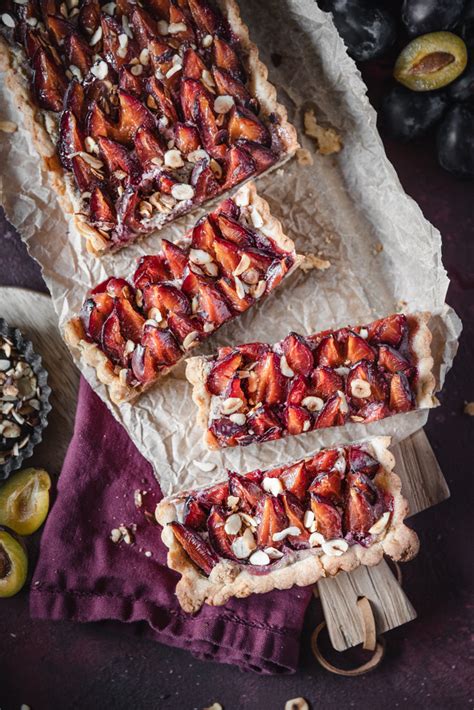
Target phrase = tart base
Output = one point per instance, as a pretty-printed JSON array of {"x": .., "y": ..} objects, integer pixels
[{"x": 229, "y": 579}]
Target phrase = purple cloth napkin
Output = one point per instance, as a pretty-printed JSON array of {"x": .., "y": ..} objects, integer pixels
[{"x": 82, "y": 575}]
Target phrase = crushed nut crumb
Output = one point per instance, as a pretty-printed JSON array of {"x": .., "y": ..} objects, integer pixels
[{"x": 327, "y": 140}]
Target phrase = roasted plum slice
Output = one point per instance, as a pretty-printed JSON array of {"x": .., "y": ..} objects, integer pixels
[
  {"x": 331, "y": 414},
  {"x": 358, "y": 349},
  {"x": 271, "y": 384},
  {"x": 176, "y": 258},
  {"x": 239, "y": 166},
  {"x": 220, "y": 541},
  {"x": 248, "y": 492},
  {"x": 166, "y": 298},
  {"x": 131, "y": 322},
  {"x": 373, "y": 412},
  {"x": 328, "y": 485},
  {"x": 226, "y": 58},
  {"x": 272, "y": 519},
  {"x": 298, "y": 355},
  {"x": 222, "y": 372},
  {"x": 297, "y": 419},
  {"x": 94, "y": 313},
  {"x": 324, "y": 460},
  {"x": 71, "y": 138},
  {"x": 390, "y": 330},
  {"x": 294, "y": 511},
  {"x": 264, "y": 423},
  {"x": 78, "y": 52},
  {"x": 358, "y": 514},
  {"x": 327, "y": 517},
  {"x": 365, "y": 384},
  {"x": 328, "y": 353},
  {"x": 112, "y": 341},
  {"x": 401, "y": 396},
  {"x": 197, "y": 549},
  {"x": 215, "y": 495},
  {"x": 204, "y": 181},
  {"x": 148, "y": 147},
  {"x": 362, "y": 462},
  {"x": 162, "y": 345},
  {"x": 102, "y": 209},
  {"x": 325, "y": 382},
  {"x": 295, "y": 479},
  {"x": 391, "y": 360},
  {"x": 151, "y": 269},
  {"x": 227, "y": 432},
  {"x": 186, "y": 138},
  {"x": 194, "y": 514},
  {"x": 49, "y": 81},
  {"x": 244, "y": 125},
  {"x": 212, "y": 306},
  {"x": 144, "y": 366}
]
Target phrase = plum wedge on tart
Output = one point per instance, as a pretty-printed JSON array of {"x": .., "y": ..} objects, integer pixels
[
  {"x": 134, "y": 331},
  {"x": 146, "y": 110},
  {"x": 287, "y": 526},
  {"x": 259, "y": 392}
]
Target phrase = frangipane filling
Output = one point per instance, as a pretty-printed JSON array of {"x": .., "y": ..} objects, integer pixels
[
  {"x": 330, "y": 501},
  {"x": 153, "y": 103},
  {"x": 261, "y": 392},
  {"x": 179, "y": 296}
]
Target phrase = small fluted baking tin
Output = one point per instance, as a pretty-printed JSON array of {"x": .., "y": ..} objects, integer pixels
[{"x": 25, "y": 348}]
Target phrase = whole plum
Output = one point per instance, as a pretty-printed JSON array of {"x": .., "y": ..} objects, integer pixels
[
  {"x": 455, "y": 141},
  {"x": 407, "y": 114},
  {"x": 422, "y": 16},
  {"x": 463, "y": 88},
  {"x": 367, "y": 30},
  {"x": 466, "y": 24}
]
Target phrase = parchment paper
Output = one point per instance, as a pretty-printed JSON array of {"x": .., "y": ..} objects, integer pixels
[{"x": 341, "y": 207}]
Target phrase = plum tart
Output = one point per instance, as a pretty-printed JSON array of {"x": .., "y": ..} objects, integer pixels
[
  {"x": 146, "y": 109},
  {"x": 259, "y": 392},
  {"x": 286, "y": 526},
  {"x": 134, "y": 331}
]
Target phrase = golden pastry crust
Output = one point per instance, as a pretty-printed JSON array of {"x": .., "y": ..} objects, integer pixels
[
  {"x": 198, "y": 368},
  {"x": 230, "y": 579},
  {"x": 43, "y": 127},
  {"x": 74, "y": 334}
]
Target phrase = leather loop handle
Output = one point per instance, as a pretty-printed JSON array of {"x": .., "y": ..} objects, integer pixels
[{"x": 370, "y": 665}]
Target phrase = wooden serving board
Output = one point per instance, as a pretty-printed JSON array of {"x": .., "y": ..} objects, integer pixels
[{"x": 422, "y": 479}]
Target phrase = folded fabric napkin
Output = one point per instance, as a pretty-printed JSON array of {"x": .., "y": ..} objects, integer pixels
[{"x": 83, "y": 576}]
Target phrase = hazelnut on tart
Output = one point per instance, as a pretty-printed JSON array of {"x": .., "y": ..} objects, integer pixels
[
  {"x": 287, "y": 526},
  {"x": 134, "y": 331},
  {"x": 259, "y": 392},
  {"x": 141, "y": 111}
]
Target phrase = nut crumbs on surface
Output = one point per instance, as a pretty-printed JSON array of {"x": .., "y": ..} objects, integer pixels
[
  {"x": 469, "y": 408},
  {"x": 311, "y": 261},
  {"x": 304, "y": 157},
  {"x": 328, "y": 141}
]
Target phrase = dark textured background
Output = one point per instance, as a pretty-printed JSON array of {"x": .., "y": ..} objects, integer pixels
[{"x": 64, "y": 665}]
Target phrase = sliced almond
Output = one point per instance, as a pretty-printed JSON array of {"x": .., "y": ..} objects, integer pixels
[
  {"x": 282, "y": 534},
  {"x": 196, "y": 155},
  {"x": 207, "y": 40},
  {"x": 308, "y": 519},
  {"x": 8, "y": 126},
  {"x": 96, "y": 37},
  {"x": 137, "y": 69},
  {"x": 272, "y": 485},
  {"x": 360, "y": 388},
  {"x": 243, "y": 546},
  {"x": 182, "y": 191},
  {"x": 175, "y": 28},
  {"x": 285, "y": 368},
  {"x": 174, "y": 70},
  {"x": 173, "y": 158},
  {"x": 231, "y": 405},
  {"x": 259, "y": 289},
  {"x": 233, "y": 524},
  {"x": 342, "y": 371},
  {"x": 162, "y": 27},
  {"x": 335, "y": 548},
  {"x": 199, "y": 256},
  {"x": 242, "y": 266},
  {"x": 379, "y": 526},
  {"x": 259, "y": 558},
  {"x": 316, "y": 539},
  {"x": 223, "y": 104},
  {"x": 190, "y": 339},
  {"x": 256, "y": 218},
  {"x": 273, "y": 553},
  {"x": 312, "y": 404},
  {"x": 238, "y": 418},
  {"x": 239, "y": 287},
  {"x": 232, "y": 501},
  {"x": 343, "y": 407},
  {"x": 144, "y": 56},
  {"x": 204, "y": 465}
]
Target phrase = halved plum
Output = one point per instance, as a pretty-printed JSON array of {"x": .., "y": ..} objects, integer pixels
[
  {"x": 176, "y": 257},
  {"x": 390, "y": 330},
  {"x": 166, "y": 298},
  {"x": 401, "y": 396},
  {"x": 222, "y": 372},
  {"x": 298, "y": 355},
  {"x": 358, "y": 514}
]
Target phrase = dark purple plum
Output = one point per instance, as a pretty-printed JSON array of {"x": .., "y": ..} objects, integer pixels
[
  {"x": 367, "y": 30},
  {"x": 406, "y": 114},
  {"x": 463, "y": 88},
  {"x": 466, "y": 24},
  {"x": 455, "y": 141},
  {"x": 422, "y": 16}
]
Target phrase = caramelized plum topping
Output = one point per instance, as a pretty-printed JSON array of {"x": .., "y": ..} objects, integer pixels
[
  {"x": 248, "y": 492},
  {"x": 358, "y": 514},
  {"x": 297, "y": 419},
  {"x": 298, "y": 354},
  {"x": 162, "y": 346},
  {"x": 390, "y": 330},
  {"x": 222, "y": 372},
  {"x": 325, "y": 382},
  {"x": 401, "y": 397},
  {"x": 197, "y": 549},
  {"x": 273, "y": 520},
  {"x": 194, "y": 515},
  {"x": 219, "y": 539},
  {"x": 151, "y": 269},
  {"x": 295, "y": 480},
  {"x": 271, "y": 385},
  {"x": 49, "y": 82},
  {"x": 327, "y": 517},
  {"x": 328, "y": 485},
  {"x": 362, "y": 462}
]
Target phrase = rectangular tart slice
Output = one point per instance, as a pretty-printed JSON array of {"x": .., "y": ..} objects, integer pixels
[
  {"x": 146, "y": 109},
  {"x": 133, "y": 331},
  {"x": 259, "y": 392},
  {"x": 289, "y": 525}
]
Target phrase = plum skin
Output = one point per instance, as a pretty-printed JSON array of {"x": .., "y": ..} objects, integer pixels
[
  {"x": 422, "y": 16},
  {"x": 455, "y": 141},
  {"x": 406, "y": 114}
]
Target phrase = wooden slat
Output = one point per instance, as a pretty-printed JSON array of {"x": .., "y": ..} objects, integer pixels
[
  {"x": 339, "y": 595},
  {"x": 423, "y": 483}
]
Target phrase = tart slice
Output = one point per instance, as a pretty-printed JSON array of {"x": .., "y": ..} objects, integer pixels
[
  {"x": 287, "y": 526},
  {"x": 260, "y": 392},
  {"x": 134, "y": 331},
  {"x": 141, "y": 111}
]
